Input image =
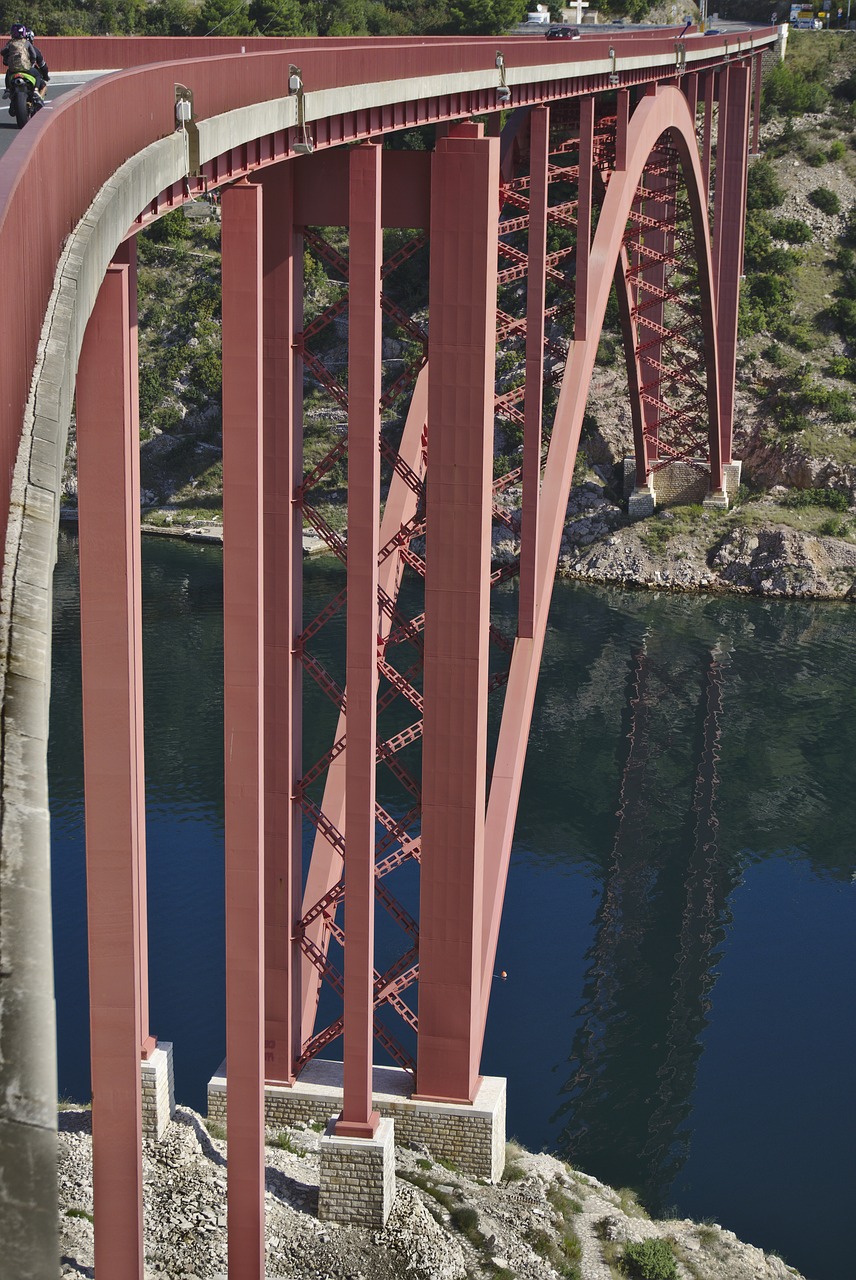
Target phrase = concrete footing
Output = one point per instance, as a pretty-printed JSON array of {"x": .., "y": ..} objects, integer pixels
[
  {"x": 357, "y": 1177},
  {"x": 470, "y": 1135},
  {"x": 640, "y": 504},
  {"x": 158, "y": 1090},
  {"x": 678, "y": 484}
]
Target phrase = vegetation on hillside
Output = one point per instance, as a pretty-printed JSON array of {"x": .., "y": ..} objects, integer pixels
[{"x": 798, "y": 303}]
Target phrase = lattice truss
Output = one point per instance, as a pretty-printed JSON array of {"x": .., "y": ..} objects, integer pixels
[
  {"x": 404, "y": 447},
  {"x": 673, "y": 393},
  {"x": 661, "y": 272}
]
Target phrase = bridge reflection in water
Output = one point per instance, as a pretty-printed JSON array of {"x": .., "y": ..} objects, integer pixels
[{"x": 663, "y": 913}]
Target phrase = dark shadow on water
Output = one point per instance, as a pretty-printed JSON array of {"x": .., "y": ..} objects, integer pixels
[{"x": 661, "y": 920}]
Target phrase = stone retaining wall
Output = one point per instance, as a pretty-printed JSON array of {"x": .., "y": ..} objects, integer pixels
[{"x": 470, "y": 1135}]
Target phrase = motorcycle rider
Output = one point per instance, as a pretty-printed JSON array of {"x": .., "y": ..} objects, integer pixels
[{"x": 20, "y": 54}]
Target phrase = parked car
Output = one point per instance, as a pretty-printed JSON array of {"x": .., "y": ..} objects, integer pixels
[{"x": 563, "y": 33}]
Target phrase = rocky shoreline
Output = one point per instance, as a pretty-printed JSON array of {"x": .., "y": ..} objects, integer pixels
[
  {"x": 667, "y": 552},
  {"x": 544, "y": 1219}
]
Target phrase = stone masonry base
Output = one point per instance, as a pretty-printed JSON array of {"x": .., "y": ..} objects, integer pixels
[
  {"x": 470, "y": 1135},
  {"x": 678, "y": 484},
  {"x": 357, "y": 1177},
  {"x": 158, "y": 1091}
]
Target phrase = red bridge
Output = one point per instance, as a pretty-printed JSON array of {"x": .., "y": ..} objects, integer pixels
[{"x": 561, "y": 171}]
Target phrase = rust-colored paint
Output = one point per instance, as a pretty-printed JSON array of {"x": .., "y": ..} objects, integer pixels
[
  {"x": 539, "y": 142},
  {"x": 243, "y": 722},
  {"x": 462, "y": 304},
  {"x": 111, "y": 662},
  {"x": 283, "y": 584},
  {"x": 728, "y": 230},
  {"x": 67, "y": 156},
  {"x": 358, "y": 1118}
]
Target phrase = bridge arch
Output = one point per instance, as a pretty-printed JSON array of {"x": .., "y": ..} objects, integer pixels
[{"x": 659, "y": 112}]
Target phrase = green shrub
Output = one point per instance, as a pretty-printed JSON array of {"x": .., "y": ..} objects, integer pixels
[
  {"x": 465, "y": 1218},
  {"x": 815, "y": 159},
  {"x": 842, "y": 367},
  {"x": 843, "y": 316},
  {"x": 830, "y": 498},
  {"x": 173, "y": 228},
  {"x": 776, "y": 355},
  {"x": 763, "y": 189},
  {"x": 846, "y": 89},
  {"x": 793, "y": 230},
  {"x": 650, "y": 1260},
  {"x": 837, "y": 150},
  {"x": 834, "y": 527},
  {"x": 790, "y": 92},
  {"x": 825, "y": 200}
]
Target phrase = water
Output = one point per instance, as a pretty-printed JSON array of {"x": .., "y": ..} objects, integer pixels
[{"x": 679, "y": 927}]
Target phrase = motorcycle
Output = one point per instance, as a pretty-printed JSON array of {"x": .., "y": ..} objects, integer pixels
[{"x": 24, "y": 101}]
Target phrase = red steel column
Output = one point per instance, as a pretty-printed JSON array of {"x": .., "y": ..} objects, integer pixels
[
  {"x": 127, "y": 253},
  {"x": 622, "y": 122},
  {"x": 710, "y": 78},
  {"x": 462, "y": 308},
  {"x": 243, "y": 689},
  {"x": 584, "y": 198},
  {"x": 111, "y": 660},
  {"x": 756, "y": 101},
  {"x": 728, "y": 230},
  {"x": 539, "y": 138},
  {"x": 283, "y": 582},
  {"x": 358, "y": 1118}
]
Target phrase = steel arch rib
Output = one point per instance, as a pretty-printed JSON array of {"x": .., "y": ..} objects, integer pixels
[{"x": 665, "y": 109}]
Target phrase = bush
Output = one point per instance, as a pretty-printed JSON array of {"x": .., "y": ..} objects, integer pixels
[
  {"x": 843, "y": 316},
  {"x": 763, "y": 190},
  {"x": 650, "y": 1260},
  {"x": 792, "y": 93},
  {"x": 833, "y": 527},
  {"x": 842, "y": 367},
  {"x": 465, "y": 1218},
  {"x": 830, "y": 498},
  {"x": 791, "y": 230},
  {"x": 825, "y": 200},
  {"x": 837, "y": 151}
]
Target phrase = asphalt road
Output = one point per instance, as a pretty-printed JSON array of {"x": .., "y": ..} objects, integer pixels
[{"x": 9, "y": 129}]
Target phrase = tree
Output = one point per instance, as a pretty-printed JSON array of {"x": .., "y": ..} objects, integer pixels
[
  {"x": 484, "y": 17},
  {"x": 224, "y": 18},
  {"x": 171, "y": 18},
  {"x": 277, "y": 17}
]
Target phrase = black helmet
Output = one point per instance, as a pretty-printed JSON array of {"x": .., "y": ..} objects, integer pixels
[{"x": 18, "y": 31}]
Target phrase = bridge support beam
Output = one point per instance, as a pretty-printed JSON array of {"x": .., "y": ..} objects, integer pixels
[
  {"x": 243, "y": 697},
  {"x": 111, "y": 659},
  {"x": 462, "y": 302},
  {"x": 358, "y": 1118},
  {"x": 728, "y": 230},
  {"x": 539, "y": 147},
  {"x": 283, "y": 582}
]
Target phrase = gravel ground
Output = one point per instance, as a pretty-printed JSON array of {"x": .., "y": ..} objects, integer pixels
[{"x": 544, "y": 1220}]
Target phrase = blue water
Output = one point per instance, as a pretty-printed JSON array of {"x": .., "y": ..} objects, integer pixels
[{"x": 678, "y": 937}]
